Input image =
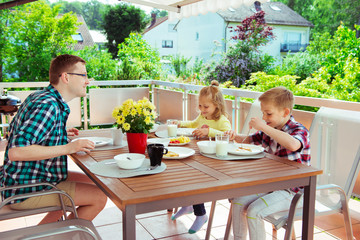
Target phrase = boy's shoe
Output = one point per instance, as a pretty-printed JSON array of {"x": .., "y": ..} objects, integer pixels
[
  {"x": 182, "y": 211},
  {"x": 198, "y": 223}
]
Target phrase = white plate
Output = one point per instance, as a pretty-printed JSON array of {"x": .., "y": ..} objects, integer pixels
[
  {"x": 234, "y": 149},
  {"x": 164, "y": 141},
  {"x": 154, "y": 128},
  {"x": 178, "y": 144},
  {"x": 99, "y": 141},
  {"x": 185, "y": 131},
  {"x": 183, "y": 152}
]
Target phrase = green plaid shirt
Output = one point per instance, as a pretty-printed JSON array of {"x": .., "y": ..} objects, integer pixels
[{"x": 40, "y": 120}]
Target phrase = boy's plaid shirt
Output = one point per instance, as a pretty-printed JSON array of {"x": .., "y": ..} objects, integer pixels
[
  {"x": 293, "y": 128},
  {"x": 40, "y": 120}
]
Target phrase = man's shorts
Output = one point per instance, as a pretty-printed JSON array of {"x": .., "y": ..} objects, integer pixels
[{"x": 48, "y": 200}]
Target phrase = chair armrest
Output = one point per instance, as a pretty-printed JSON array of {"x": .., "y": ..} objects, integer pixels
[{"x": 28, "y": 185}]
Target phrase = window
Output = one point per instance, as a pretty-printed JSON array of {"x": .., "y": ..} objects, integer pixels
[
  {"x": 196, "y": 36},
  {"x": 171, "y": 28},
  {"x": 292, "y": 42},
  {"x": 167, "y": 43},
  {"x": 292, "y": 37},
  {"x": 77, "y": 37}
]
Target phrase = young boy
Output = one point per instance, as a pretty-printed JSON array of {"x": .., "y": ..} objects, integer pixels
[{"x": 282, "y": 136}]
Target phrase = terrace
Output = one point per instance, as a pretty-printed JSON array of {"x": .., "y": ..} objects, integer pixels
[{"x": 176, "y": 101}]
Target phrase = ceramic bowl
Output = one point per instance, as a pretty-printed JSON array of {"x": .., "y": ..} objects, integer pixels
[
  {"x": 164, "y": 141},
  {"x": 207, "y": 147},
  {"x": 129, "y": 160}
]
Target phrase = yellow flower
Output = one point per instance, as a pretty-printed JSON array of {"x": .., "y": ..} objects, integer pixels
[
  {"x": 147, "y": 120},
  {"x": 133, "y": 112},
  {"x": 126, "y": 126}
]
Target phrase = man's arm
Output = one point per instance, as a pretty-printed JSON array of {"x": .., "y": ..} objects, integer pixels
[{"x": 38, "y": 152}]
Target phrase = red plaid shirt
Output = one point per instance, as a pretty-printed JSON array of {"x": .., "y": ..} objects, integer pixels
[{"x": 293, "y": 128}]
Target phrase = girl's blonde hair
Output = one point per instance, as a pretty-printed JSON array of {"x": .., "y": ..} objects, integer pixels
[{"x": 213, "y": 92}]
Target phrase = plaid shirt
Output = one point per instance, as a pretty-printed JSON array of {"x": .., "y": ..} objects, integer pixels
[
  {"x": 294, "y": 129},
  {"x": 40, "y": 120}
]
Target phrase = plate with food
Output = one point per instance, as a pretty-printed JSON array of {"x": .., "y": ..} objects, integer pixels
[
  {"x": 185, "y": 131},
  {"x": 244, "y": 149},
  {"x": 179, "y": 141},
  {"x": 99, "y": 141},
  {"x": 178, "y": 153}
]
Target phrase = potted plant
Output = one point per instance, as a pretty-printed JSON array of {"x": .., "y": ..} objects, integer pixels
[{"x": 136, "y": 119}]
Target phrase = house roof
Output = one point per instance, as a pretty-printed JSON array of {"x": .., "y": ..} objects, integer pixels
[
  {"x": 84, "y": 31},
  {"x": 276, "y": 13},
  {"x": 157, "y": 23}
]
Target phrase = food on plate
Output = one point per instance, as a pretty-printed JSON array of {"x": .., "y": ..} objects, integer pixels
[
  {"x": 244, "y": 148},
  {"x": 171, "y": 154},
  {"x": 178, "y": 140}
]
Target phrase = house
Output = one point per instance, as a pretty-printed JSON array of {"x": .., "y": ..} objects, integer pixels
[
  {"x": 99, "y": 38},
  {"x": 82, "y": 36},
  {"x": 201, "y": 36},
  {"x": 162, "y": 34}
]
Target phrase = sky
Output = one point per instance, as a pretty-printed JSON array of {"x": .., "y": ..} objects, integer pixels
[{"x": 113, "y": 2}]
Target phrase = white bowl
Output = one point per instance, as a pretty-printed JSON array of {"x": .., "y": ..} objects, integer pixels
[
  {"x": 129, "y": 160},
  {"x": 164, "y": 141},
  {"x": 208, "y": 147}
]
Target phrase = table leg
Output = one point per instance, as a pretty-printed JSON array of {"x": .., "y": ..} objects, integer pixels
[
  {"x": 309, "y": 210},
  {"x": 129, "y": 222}
]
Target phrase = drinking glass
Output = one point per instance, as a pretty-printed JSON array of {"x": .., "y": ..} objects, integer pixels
[
  {"x": 222, "y": 142},
  {"x": 172, "y": 127}
]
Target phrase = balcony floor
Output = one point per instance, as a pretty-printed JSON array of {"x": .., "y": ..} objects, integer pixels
[{"x": 158, "y": 225}]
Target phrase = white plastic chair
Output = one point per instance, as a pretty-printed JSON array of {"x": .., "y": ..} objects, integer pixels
[
  {"x": 66, "y": 229},
  {"x": 335, "y": 148}
]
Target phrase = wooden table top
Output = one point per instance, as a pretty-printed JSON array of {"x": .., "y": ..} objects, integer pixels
[{"x": 190, "y": 176}]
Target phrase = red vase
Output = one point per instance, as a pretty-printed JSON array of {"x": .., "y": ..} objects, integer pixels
[{"x": 137, "y": 142}]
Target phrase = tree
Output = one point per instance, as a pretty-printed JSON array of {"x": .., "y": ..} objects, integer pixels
[
  {"x": 326, "y": 15},
  {"x": 92, "y": 11},
  {"x": 4, "y": 18},
  {"x": 119, "y": 22},
  {"x": 36, "y": 35}
]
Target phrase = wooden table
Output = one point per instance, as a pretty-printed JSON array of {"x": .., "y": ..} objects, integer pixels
[{"x": 198, "y": 179}]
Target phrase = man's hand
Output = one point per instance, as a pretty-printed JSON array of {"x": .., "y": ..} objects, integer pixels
[
  {"x": 72, "y": 132},
  {"x": 83, "y": 145}
]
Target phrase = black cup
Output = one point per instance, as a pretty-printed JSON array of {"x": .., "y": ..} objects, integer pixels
[{"x": 156, "y": 152}]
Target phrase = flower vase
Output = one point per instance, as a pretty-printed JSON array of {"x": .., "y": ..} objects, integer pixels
[{"x": 137, "y": 142}]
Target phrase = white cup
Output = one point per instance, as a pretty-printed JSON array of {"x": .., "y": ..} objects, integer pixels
[
  {"x": 172, "y": 127},
  {"x": 117, "y": 136},
  {"x": 222, "y": 143}
]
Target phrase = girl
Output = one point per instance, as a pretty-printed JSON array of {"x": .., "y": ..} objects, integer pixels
[{"x": 212, "y": 120}]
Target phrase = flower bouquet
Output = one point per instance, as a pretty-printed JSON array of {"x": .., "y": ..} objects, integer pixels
[{"x": 136, "y": 120}]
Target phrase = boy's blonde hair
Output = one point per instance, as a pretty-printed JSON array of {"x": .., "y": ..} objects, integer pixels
[
  {"x": 213, "y": 92},
  {"x": 281, "y": 97}
]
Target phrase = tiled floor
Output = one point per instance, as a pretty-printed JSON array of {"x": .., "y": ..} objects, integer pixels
[{"x": 158, "y": 225}]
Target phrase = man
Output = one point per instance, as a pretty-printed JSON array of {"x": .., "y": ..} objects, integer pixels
[{"x": 38, "y": 146}]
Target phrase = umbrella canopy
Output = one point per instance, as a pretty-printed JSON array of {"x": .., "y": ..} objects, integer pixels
[{"x": 186, "y": 8}]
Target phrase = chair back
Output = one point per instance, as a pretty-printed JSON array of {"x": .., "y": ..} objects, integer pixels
[
  {"x": 255, "y": 111},
  {"x": 334, "y": 137}
]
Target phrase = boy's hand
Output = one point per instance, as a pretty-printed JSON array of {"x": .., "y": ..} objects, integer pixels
[{"x": 257, "y": 123}]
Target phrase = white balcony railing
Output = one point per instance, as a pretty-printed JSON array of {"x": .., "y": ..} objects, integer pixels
[{"x": 172, "y": 100}]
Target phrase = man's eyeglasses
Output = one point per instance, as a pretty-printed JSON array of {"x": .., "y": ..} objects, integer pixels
[{"x": 78, "y": 74}]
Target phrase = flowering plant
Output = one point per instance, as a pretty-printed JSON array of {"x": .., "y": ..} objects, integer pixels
[{"x": 135, "y": 117}]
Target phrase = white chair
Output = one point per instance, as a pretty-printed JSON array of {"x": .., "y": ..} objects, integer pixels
[
  {"x": 66, "y": 229},
  {"x": 335, "y": 148}
]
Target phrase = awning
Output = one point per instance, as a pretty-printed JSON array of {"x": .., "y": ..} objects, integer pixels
[{"x": 186, "y": 8}]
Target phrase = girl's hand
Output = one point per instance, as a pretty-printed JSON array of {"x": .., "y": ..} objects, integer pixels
[
  {"x": 231, "y": 134},
  {"x": 72, "y": 132},
  {"x": 201, "y": 132}
]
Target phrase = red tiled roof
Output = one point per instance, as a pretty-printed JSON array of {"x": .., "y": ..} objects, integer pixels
[{"x": 158, "y": 22}]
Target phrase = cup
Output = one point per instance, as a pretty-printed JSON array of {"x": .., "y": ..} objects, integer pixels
[
  {"x": 222, "y": 142},
  {"x": 156, "y": 152},
  {"x": 117, "y": 136},
  {"x": 172, "y": 127}
]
